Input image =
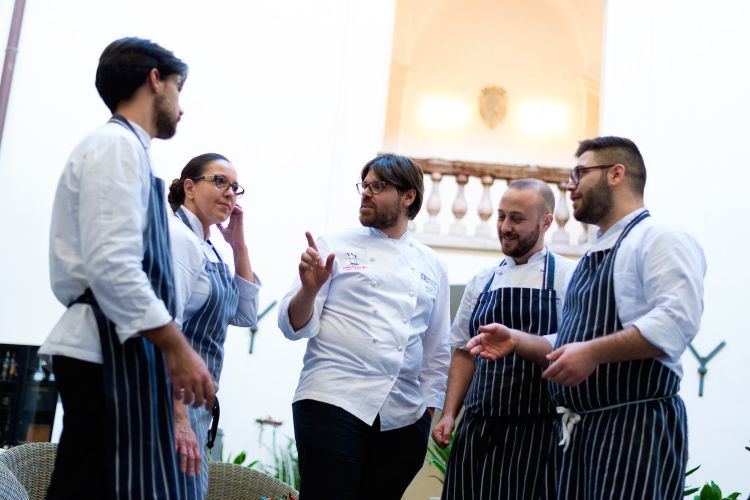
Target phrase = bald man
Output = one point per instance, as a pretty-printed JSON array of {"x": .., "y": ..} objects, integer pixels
[{"x": 508, "y": 419}]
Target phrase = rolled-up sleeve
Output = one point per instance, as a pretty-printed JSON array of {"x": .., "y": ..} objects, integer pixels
[
  {"x": 669, "y": 303},
  {"x": 433, "y": 376},
  {"x": 247, "y": 309},
  {"x": 460, "y": 333},
  {"x": 112, "y": 219}
]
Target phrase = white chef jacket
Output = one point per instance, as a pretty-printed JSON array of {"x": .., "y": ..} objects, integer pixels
[
  {"x": 378, "y": 337},
  {"x": 658, "y": 283},
  {"x": 99, "y": 216}
]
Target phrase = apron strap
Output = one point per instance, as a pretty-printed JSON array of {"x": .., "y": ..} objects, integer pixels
[
  {"x": 492, "y": 277},
  {"x": 87, "y": 297},
  {"x": 549, "y": 271},
  {"x": 215, "y": 413}
]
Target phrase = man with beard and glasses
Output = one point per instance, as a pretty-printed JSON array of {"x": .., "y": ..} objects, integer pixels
[
  {"x": 374, "y": 304},
  {"x": 117, "y": 353},
  {"x": 507, "y": 417},
  {"x": 633, "y": 304}
]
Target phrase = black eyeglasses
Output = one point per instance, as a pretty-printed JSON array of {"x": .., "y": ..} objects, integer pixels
[
  {"x": 575, "y": 174},
  {"x": 222, "y": 184},
  {"x": 375, "y": 187}
]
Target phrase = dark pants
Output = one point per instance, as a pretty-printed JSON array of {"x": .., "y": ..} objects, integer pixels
[
  {"x": 80, "y": 466},
  {"x": 341, "y": 457}
]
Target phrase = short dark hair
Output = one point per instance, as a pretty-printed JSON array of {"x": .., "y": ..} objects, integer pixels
[
  {"x": 611, "y": 149},
  {"x": 402, "y": 172},
  {"x": 125, "y": 64},
  {"x": 193, "y": 169},
  {"x": 542, "y": 189}
]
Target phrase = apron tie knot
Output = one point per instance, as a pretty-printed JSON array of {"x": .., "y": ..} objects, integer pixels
[{"x": 569, "y": 420}]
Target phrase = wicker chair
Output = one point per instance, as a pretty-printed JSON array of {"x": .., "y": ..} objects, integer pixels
[
  {"x": 32, "y": 464},
  {"x": 230, "y": 481}
]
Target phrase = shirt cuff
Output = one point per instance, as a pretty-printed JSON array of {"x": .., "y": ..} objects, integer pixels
[
  {"x": 306, "y": 332},
  {"x": 248, "y": 288},
  {"x": 661, "y": 331},
  {"x": 154, "y": 317}
]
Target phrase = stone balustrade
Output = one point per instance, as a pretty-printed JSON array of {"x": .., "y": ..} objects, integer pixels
[{"x": 475, "y": 190}]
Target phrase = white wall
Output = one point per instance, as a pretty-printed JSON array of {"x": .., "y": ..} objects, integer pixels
[
  {"x": 676, "y": 81},
  {"x": 292, "y": 91}
]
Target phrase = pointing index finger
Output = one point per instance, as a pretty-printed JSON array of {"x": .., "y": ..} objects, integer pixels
[{"x": 310, "y": 240}]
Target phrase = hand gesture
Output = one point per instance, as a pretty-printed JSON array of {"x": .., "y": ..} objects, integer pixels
[
  {"x": 441, "y": 433},
  {"x": 191, "y": 380},
  {"x": 570, "y": 365},
  {"x": 313, "y": 272},
  {"x": 187, "y": 447},
  {"x": 234, "y": 232},
  {"x": 492, "y": 342}
]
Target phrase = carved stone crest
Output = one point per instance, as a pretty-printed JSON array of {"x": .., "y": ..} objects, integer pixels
[{"x": 492, "y": 103}]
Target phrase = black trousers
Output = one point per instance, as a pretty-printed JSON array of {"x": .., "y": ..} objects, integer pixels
[
  {"x": 80, "y": 466},
  {"x": 341, "y": 457}
]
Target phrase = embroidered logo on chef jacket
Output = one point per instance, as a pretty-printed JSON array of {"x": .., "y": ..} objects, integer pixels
[
  {"x": 354, "y": 264},
  {"x": 430, "y": 285}
]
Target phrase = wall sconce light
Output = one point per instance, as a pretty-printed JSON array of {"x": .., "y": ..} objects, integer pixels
[{"x": 493, "y": 101}]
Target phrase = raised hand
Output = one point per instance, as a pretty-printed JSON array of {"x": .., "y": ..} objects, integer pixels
[
  {"x": 313, "y": 272},
  {"x": 492, "y": 342},
  {"x": 234, "y": 232}
]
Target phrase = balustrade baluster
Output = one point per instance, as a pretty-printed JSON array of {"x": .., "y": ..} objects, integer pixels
[
  {"x": 562, "y": 215},
  {"x": 433, "y": 205},
  {"x": 485, "y": 209},
  {"x": 458, "y": 228}
]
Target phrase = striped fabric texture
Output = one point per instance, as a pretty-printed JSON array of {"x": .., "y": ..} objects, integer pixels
[
  {"x": 631, "y": 442},
  {"x": 508, "y": 420}
]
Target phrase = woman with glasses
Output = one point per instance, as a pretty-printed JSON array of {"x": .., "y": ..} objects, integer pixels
[{"x": 215, "y": 287}]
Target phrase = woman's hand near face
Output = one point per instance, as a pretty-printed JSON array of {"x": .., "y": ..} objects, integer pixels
[{"x": 234, "y": 232}]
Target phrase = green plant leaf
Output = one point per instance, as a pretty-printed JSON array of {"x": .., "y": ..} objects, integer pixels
[
  {"x": 241, "y": 456},
  {"x": 692, "y": 470},
  {"x": 689, "y": 491}
]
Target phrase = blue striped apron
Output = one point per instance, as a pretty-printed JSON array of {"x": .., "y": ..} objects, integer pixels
[
  {"x": 508, "y": 418},
  {"x": 206, "y": 331},
  {"x": 142, "y": 463},
  {"x": 631, "y": 440}
]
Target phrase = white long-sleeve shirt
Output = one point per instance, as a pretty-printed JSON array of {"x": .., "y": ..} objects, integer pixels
[
  {"x": 192, "y": 284},
  {"x": 658, "y": 283},
  {"x": 529, "y": 275},
  {"x": 378, "y": 336},
  {"x": 96, "y": 241}
]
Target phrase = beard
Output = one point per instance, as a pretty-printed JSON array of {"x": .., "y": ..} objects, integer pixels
[
  {"x": 379, "y": 219},
  {"x": 523, "y": 244},
  {"x": 596, "y": 203},
  {"x": 166, "y": 125}
]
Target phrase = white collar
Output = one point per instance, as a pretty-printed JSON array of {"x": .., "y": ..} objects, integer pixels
[
  {"x": 536, "y": 258},
  {"x": 609, "y": 237},
  {"x": 380, "y": 234},
  {"x": 195, "y": 224}
]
